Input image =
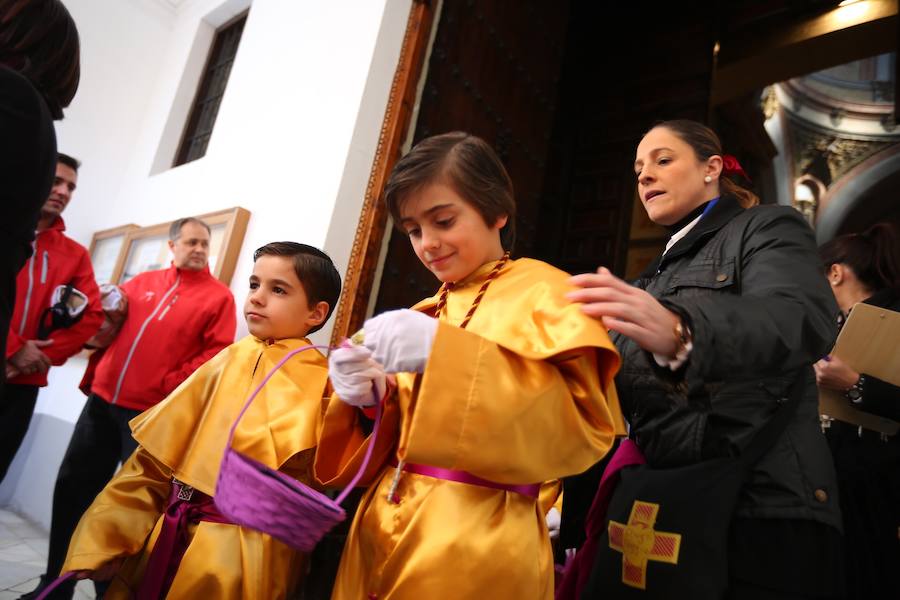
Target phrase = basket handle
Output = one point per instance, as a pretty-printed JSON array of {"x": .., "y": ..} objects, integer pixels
[{"x": 369, "y": 450}]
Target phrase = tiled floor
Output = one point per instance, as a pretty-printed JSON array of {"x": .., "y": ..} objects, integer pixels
[{"x": 23, "y": 556}]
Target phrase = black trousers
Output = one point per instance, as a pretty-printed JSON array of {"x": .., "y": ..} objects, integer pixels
[
  {"x": 16, "y": 408},
  {"x": 101, "y": 440}
]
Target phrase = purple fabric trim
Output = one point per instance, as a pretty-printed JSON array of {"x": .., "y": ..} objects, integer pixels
[{"x": 173, "y": 541}]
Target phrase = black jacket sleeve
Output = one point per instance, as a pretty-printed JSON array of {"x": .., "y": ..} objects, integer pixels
[{"x": 783, "y": 317}]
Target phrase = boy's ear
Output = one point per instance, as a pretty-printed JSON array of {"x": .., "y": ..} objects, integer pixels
[
  {"x": 501, "y": 221},
  {"x": 319, "y": 314}
]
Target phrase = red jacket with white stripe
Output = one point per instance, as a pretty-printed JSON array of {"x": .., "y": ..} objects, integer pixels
[
  {"x": 57, "y": 260},
  {"x": 177, "y": 320}
]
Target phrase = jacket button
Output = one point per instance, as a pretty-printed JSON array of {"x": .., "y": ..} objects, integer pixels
[
  {"x": 721, "y": 277},
  {"x": 821, "y": 495}
]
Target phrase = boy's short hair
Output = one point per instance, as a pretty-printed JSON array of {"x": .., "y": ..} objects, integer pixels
[
  {"x": 467, "y": 164},
  {"x": 315, "y": 270}
]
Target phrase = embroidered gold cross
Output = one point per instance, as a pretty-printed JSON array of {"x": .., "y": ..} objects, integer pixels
[{"x": 639, "y": 543}]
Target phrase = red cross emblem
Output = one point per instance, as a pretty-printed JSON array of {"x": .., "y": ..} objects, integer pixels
[{"x": 639, "y": 543}]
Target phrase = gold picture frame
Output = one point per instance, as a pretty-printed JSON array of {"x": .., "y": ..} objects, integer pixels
[
  {"x": 106, "y": 251},
  {"x": 146, "y": 248}
]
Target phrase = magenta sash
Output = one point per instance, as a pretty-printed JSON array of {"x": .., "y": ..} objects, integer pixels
[
  {"x": 186, "y": 505},
  {"x": 531, "y": 490}
]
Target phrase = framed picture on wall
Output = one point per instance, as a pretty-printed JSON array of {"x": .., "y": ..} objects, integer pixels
[
  {"x": 106, "y": 251},
  {"x": 147, "y": 248}
]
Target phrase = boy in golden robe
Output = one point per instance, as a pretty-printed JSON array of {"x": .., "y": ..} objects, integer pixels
[
  {"x": 501, "y": 384},
  {"x": 293, "y": 290}
]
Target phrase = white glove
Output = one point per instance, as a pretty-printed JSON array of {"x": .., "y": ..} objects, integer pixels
[
  {"x": 553, "y": 519},
  {"x": 400, "y": 340},
  {"x": 354, "y": 374}
]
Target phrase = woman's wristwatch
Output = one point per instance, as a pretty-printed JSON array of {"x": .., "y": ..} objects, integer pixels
[
  {"x": 854, "y": 392},
  {"x": 683, "y": 346}
]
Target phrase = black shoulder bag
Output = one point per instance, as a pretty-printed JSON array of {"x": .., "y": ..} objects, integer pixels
[{"x": 666, "y": 533}]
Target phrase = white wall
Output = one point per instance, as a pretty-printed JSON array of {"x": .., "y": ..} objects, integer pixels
[{"x": 293, "y": 144}]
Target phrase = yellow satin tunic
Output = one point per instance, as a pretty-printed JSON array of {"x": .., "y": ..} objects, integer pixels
[
  {"x": 522, "y": 395},
  {"x": 184, "y": 437}
]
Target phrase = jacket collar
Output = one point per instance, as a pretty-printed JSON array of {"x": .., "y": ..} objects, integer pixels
[
  {"x": 187, "y": 274},
  {"x": 885, "y": 298},
  {"x": 57, "y": 225},
  {"x": 719, "y": 215}
]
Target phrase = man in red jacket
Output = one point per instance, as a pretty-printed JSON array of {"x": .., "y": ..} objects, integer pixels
[
  {"x": 178, "y": 318},
  {"x": 32, "y": 345}
]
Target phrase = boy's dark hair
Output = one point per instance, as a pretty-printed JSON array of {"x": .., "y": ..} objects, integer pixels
[
  {"x": 467, "y": 164},
  {"x": 317, "y": 274},
  {"x": 38, "y": 39},
  {"x": 69, "y": 161}
]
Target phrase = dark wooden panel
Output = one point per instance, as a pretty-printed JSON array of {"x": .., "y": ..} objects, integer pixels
[{"x": 494, "y": 72}]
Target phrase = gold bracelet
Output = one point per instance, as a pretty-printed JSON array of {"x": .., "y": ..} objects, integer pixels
[{"x": 682, "y": 339}]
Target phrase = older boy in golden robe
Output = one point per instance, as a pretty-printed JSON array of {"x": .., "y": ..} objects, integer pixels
[{"x": 501, "y": 384}]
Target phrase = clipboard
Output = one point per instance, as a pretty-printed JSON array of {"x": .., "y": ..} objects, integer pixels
[{"x": 869, "y": 343}]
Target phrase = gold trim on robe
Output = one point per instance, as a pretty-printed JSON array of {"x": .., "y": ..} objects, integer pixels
[
  {"x": 523, "y": 395},
  {"x": 184, "y": 436}
]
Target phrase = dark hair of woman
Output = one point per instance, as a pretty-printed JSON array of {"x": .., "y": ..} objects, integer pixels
[
  {"x": 39, "y": 40},
  {"x": 706, "y": 143},
  {"x": 467, "y": 164},
  {"x": 873, "y": 255}
]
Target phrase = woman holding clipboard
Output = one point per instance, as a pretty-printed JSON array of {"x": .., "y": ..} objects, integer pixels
[{"x": 865, "y": 267}]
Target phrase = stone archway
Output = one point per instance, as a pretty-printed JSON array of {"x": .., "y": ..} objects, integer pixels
[{"x": 869, "y": 193}]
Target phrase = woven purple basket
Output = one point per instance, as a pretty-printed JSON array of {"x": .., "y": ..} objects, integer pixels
[{"x": 250, "y": 494}]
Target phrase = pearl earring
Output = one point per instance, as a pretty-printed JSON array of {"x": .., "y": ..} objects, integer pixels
[{"x": 707, "y": 179}]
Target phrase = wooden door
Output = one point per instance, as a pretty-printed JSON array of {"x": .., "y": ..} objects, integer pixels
[{"x": 494, "y": 72}]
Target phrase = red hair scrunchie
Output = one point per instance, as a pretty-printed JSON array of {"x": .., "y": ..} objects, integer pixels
[{"x": 731, "y": 166}]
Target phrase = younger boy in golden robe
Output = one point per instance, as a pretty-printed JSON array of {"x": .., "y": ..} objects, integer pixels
[
  {"x": 293, "y": 290},
  {"x": 501, "y": 384}
]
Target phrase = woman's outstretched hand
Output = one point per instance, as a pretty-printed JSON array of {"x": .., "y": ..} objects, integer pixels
[{"x": 627, "y": 310}]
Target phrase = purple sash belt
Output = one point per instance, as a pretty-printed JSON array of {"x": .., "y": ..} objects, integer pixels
[
  {"x": 531, "y": 489},
  {"x": 186, "y": 505}
]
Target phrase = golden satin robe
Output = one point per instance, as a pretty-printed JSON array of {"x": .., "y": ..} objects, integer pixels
[
  {"x": 184, "y": 437},
  {"x": 522, "y": 395}
]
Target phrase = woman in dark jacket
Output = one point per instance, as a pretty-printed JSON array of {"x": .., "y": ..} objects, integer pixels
[
  {"x": 712, "y": 336},
  {"x": 865, "y": 267}
]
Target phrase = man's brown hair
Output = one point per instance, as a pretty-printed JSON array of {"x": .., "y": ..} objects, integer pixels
[{"x": 467, "y": 164}]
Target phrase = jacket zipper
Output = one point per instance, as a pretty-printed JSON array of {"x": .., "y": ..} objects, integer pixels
[
  {"x": 168, "y": 306},
  {"x": 30, "y": 288},
  {"x": 46, "y": 264},
  {"x": 137, "y": 339}
]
